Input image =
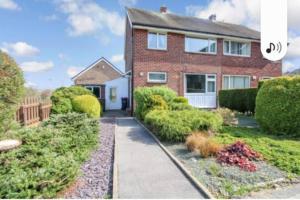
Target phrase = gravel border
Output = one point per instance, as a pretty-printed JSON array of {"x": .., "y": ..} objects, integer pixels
[{"x": 96, "y": 180}]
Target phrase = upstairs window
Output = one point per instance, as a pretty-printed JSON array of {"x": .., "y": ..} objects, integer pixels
[
  {"x": 199, "y": 45},
  {"x": 237, "y": 48},
  {"x": 157, "y": 41}
]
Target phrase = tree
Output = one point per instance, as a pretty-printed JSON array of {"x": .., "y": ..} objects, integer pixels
[{"x": 11, "y": 90}]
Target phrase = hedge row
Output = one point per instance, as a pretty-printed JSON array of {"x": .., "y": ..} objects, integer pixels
[
  {"x": 242, "y": 100},
  {"x": 49, "y": 158}
]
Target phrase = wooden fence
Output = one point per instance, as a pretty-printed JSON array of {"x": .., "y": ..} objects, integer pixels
[{"x": 33, "y": 110}]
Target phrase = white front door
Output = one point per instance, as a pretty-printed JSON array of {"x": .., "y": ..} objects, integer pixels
[{"x": 200, "y": 90}]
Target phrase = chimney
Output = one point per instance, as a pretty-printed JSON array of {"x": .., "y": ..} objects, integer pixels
[
  {"x": 163, "y": 9},
  {"x": 212, "y": 17}
]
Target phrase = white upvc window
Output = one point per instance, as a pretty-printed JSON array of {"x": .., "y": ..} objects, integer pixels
[
  {"x": 237, "y": 48},
  {"x": 200, "y": 45},
  {"x": 157, "y": 40},
  {"x": 235, "y": 82},
  {"x": 157, "y": 77},
  {"x": 96, "y": 90},
  {"x": 200, "y": 83}
]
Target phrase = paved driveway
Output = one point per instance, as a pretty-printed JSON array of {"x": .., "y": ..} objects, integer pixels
[{"x": 144, "y": 169}]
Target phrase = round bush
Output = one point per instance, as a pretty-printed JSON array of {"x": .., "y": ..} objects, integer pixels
[
  {"x": 11, "y": 90},
  {"x": 142, "y": 97},
  {"x": 62, "y": 98},
  {"x": 87, "y": 104},
  {"x": 278, "y": 106}
]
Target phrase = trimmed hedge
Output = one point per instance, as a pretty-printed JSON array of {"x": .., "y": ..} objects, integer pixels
[
  {"x": 241, "y": 100},
  {"x": 175, "y": 126},
  {"x": 49, "y": 158},
  {"x": 87, "y": 104},
  {"x": 11, "y": 90},
  {"x": 62, "y": 98},
  {"x": 144, "y": 98},
  {"x": 278, "y": 106}
]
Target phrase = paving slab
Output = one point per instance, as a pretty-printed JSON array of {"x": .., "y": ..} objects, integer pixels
[{"x": 144, "y": 169}]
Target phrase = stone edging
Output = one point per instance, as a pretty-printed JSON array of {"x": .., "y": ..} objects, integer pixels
[
  {"x": 115, "y": 166},
  {"x": 186, "y": 172}
]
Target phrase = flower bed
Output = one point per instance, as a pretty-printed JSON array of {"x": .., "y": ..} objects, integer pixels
[{"x": 225, "y": 181}]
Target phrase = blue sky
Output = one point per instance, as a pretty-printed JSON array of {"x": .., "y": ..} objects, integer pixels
[{"x": 53, "y": 39}]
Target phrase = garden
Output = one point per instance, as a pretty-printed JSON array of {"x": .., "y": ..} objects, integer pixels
[
  {"x": 51, "y": 155},
  {"x": 229, "y": 159}
]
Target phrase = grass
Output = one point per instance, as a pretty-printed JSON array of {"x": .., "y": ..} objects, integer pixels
[{"x": 281, "y": 152}]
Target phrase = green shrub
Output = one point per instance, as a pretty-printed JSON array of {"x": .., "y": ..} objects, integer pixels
[
  {"x": 49, "y": 158},
  {"x": 175, "y": 126},
  {"x": 241, "y": 100},
  {"x": 11, "y": 90},
  {"x": 142, "y": 97},
  {"x": 278, "y": 106},
  {"x": 227, "y": 115},
  {"x": 181, "y": 99},
  {"x": 180, "y": 106},
  {"x": 62, "y": 98},
  {"x": 87, "y": 104},
  {"x": 180, "y": 103}
]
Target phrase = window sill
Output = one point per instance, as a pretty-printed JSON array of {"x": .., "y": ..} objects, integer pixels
[
  {"x": 159, "y": 82},
  {"x": 157, "y": 49},
  {"x": 235, "y": 55},
  {"x": 203, "y": 53}
]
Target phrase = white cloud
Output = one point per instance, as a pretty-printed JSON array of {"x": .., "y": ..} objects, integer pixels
[
  {"x": 72, "y": 71},
  {"x": 52, "y": 17},
  {"x": 20, "y": 49},
  {"x": 127, "y": 3},
  {"x": 294, "y": 47},
  {"x": 30, "y": 84},
  {"x": 117, "y": 58},
  {"x": 34, "y": 66},
  {"x": 87, "y": 17},
  {"x": 288, "y": 66},
  {"x": 9, "y": 5}
]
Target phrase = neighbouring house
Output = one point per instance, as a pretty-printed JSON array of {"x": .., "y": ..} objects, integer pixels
[
  {"x": 106, "y": 81},
  {"x": 195, "y": 57}
]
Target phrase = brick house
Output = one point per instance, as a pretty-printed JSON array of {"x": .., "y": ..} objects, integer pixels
[
  {"x": 106, "y": 81},
  {"x": 195, "y": 57}
]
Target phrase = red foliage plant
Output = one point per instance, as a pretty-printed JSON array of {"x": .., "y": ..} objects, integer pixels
[{"x": 239, "y": 154}]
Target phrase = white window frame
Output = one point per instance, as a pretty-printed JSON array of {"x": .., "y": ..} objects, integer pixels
[
  {"x": 157, "y": 81},
  {"x": 157, "y": 34},
  {"x": 209, "y": 39},
  {"x": 227, "y": 75},
  {"x": 206, "y": 83},
  {"x": 230, "y": 54},
  {"x": 92, "y": 89}
]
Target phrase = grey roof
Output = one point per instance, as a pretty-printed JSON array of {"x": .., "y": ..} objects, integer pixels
[{"x": 177, "y": 22}]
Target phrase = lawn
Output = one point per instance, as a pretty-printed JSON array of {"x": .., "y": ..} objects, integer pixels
[{"x": 281, "y": 152}]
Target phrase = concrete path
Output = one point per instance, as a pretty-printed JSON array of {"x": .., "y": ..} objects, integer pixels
[
  {"x": 289, "y": 192},
  {"x": 144, "y": 169}
]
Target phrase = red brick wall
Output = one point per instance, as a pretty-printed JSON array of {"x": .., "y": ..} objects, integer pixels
[
  {"x": 128, "y": 47},
  {"x": 176, "y": 62}
]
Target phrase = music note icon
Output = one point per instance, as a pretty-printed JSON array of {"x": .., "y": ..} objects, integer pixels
[{"x": 271, "y": 48}]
